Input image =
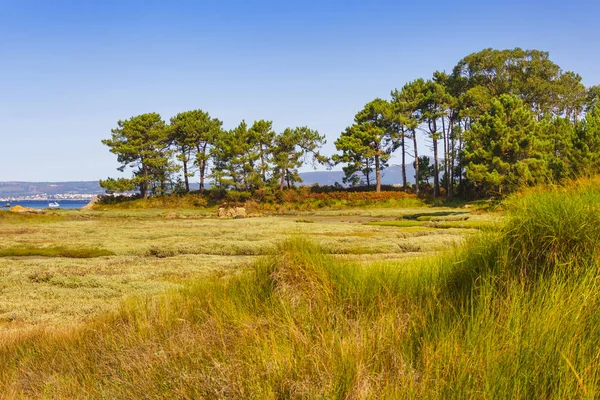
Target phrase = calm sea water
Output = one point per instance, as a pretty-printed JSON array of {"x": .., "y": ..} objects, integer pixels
[{"x": 64, "y": 204}]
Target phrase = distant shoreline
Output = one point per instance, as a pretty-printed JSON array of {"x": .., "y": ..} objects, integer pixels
[{"x": 43, "y": 204}]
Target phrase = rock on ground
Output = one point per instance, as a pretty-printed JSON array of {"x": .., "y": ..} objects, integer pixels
[{"x": 232, "y": 212}]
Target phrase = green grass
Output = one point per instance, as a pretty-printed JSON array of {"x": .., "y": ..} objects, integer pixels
[
  {"x": 511, "y": 314},
  {"x": 55, "y": 251},
  {"x": 306, "y": 221},
  {"x": 171, "y": 202},
  {"x": 401, "y": 223},
  {"x": 464, "y": 224},
  {"x": 443, "y": 220},
  {"x": 9, "y": 217},
  {"x": 557, "y": 225}
]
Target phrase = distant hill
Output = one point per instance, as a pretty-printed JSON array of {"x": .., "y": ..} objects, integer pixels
[
  {"x": 389, "y": 176},
  {"x": 16, "y": 189}
]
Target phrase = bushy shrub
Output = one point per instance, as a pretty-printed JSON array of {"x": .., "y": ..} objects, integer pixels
[{"x": 235, "y": 196}]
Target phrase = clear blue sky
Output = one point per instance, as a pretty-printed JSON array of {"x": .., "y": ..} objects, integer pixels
[{"x": 70, "y": 69}]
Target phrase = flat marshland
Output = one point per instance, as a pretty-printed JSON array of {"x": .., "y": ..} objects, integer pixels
[
  {"x": 61, "y": 268},
  {"x": 416, "y": 302}
]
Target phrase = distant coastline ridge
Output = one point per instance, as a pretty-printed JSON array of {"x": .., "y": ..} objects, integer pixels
[{"x": 87, "y": 190}]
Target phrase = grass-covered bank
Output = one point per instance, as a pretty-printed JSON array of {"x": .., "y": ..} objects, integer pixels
[
  {"x": 269, "y": 201},
  {"x": 513, "y": 314}
]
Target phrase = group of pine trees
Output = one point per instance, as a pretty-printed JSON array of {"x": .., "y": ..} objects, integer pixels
[
  {"x": 503, "y": 119},
  {"x": 243, "y": 158}
]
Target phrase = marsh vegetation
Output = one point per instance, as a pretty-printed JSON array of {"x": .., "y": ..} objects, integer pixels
[
  {"x": 64, "y": 267},
  {"x": 421, "y": 302}
]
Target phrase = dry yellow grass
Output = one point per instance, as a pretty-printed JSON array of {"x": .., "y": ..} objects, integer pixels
[
  {"x": 155, "y": 250},
  {"x": 511, "y": 314}
]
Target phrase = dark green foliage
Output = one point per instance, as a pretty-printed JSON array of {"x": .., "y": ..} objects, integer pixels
[
  {"x": 193, "y": 133},
  {"x": 426, "y": 170},
  {"x": 529, "y": 74},
  {"x": 587, "y": 143},
  {"x": 291, "y": 149},
  {"x": 235, "y": 158},
  {"x": 505, "y": 149},
  {"x": 367, "y": 145},
  {"x": 141, "y": 142},
  {"x": 262, "y": 136},
  {"x": 407, "y": 116},
  {"x": 506, "y": 118},
  {"x": 501, "y": 121},
  {"x": 244, "y": 158},
  {"x": 118, "y": 185},
  {"x": 593, "y": 98}
]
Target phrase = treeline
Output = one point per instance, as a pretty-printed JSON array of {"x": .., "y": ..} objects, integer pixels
[
  {"x": 244, "y": 158},
  {"x": 501, "y": 120}
]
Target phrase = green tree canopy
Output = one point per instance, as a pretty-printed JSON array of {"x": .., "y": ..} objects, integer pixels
[
  {"x": 262, "y": 136},
  {"x": 369, "y": 142},
  {"x": 235, "y": 158},
  {"x": 506, "y": 148},
  {"x": 426, "y": 170},
  {"x": 593, "y": 98},
  {"x": 587, "y": 143},
  {"x": 527, "y": 74},
  {"x": 291, "y": 149},
  {"x": 193, "y": 133},
  {"x": 406, "y": 109},
  {"x": 141, "y": 143}
]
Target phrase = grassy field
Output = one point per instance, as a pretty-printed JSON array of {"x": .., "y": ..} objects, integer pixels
[
  {"x": 329, "y": 304},
  {"x": 65, "y": 267}
]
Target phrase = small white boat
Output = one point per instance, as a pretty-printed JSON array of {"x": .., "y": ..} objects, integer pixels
[{"x": 53, "y": 205}]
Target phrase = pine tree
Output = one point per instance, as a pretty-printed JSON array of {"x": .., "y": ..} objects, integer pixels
[
  {"x": 141, "y": 143},
  {"x": 193, "y": 133},
  {"x": 506, "y": 148},
  {"x": 369, "y": 142},
  {"x": 291, "y": 149},
  {"x": 262, "y": 135}
]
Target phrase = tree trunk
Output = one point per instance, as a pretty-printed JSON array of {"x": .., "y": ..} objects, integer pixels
[
  {"x": 282, "y": 183},
  {"x": 202, "y": 169},
  {"x": 368, "y": 175},
  {"x": 403, "y": 162},
  {"x": 144, "y": 185},
  {"x": 460, "y": 153},
  {"x": 414, "y": 135},
  {"x": 436, "y": 172},
  {"x": 163, "y": 185},
  {"x": 185, "y": 172},
  {"x": 460, "y": 166},
  {"x": 202, "y": 165},
  {"x": 262, "y": 164},
  {"x": 377, "y": 174},
  {"x": 452, "y": 163},
  {"x": 446, "y": 172}
]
